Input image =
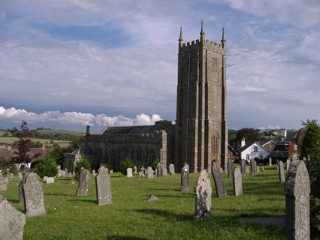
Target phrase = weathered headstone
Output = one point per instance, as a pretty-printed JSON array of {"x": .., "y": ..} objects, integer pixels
[
  {"x": 20, "y": 176},
  {"x": 3, "y": 186},
  {"x": 237, "y": 182},
  {"x": 50, "y": 180},
  {"x": 103, "y": 187},
  {"x": 141, "y": 174},
  {"x": 253, "y": 166},
  {"x": 164, "y": 170},
  {"x": 62, "y": 173},
  {"x": 297, "y": 192},
  {"x": 33, "y": 195},
  {"x": 129, "y": 172},
  {"x": 21, "y": 194},
  {"x": 185, "y": 179},
  {"x": 171, "y": 169},
  {"x": 94, "y": 173},
  {"x": 159, "y": 170},
  {"x": 12, "y": 221},
  {"x": 270, "y": 161},
  {"x": 209, "y": 169},
  {"x": 70, "y": 174},
  {"x": 152, "y": 198},
  {"x": 243, "y": 167},
  {"x": 44, "y": 178},
  {"x": 288, "y": 163},
  {"x": 218, "y": 180},
  {"x": 135, "y": 170},
  {"x": 11, "y": 176},
  {"x": 203, "y": 193},
  {"x": 1, "y": 177},
  {"x": 143, "y": 170},
  {"x": 230, "y": 168},
  {"x": 281, "y": 172},
  {"x": 150, "y": 172},
  {"x": 83, "y": 183}
]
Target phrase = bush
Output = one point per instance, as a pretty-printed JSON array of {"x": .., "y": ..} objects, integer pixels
[
  {"x": 126, "y": 163},
  {"x": 46, "y": 167},
  {"x": 83, "y": 163},
  {"x": 155, "y": 164}
]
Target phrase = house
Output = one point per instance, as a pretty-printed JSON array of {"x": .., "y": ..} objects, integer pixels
[{"x": 252, "y": 151}]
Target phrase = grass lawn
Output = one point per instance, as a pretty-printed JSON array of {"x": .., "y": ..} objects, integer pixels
[{"x": 131, "y": 216}]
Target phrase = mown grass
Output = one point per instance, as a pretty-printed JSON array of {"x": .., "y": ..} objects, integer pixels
[{"x": 131, "y": 216}]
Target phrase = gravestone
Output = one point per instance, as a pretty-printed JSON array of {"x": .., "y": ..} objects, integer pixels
[
  {"x": 209, "y": 169},
  {"x": 288, "y": 163},
  {"x": 33, "y": 195},
  {"x": 270, "y": 161},
  {"x": 12, "y": 221},
  {"x": 20, "y": 176},
  {"x": 20, "y": 189},
  {"x": 171, "y": 169},
  {"x": 185, "y": 179},
  {"x": 141, "y": 174},
  {"x": 150, "y": 172},
  {"x": 3, "y": 186},
  {"x": 243, "y": 167},
  {"x": 143, "y": 170},
  {"x": 70, "y": 174},
  {"x": 230, "y": 168},
  {"x": 103, "y": 187},
  {"x": 8, "y": 172},
  {"x": 129, "y": 172},
  {"x": 1, "y": 177},
  {"x": 297, "y": 192},
  {"x": 94, "y": 173},
  {"x": 82, "y": 190},
  {"x": 159, "y": 170},
  {"x": 203, "y": 193},
  {"x": 253, "y": 167},
  {"x": 50, "y": 180},
  {"x": 11, "y": 176},
  {"x": 44, "y": 178},
  {"x": 62, "y": 173},
  {"x": 218, "y": 180},
  {"x": 135, "y": 170},
  {"x": 164, "y": 170},
  {"x": 281, "y": 172},
  {"x": 237, "y": 182}
]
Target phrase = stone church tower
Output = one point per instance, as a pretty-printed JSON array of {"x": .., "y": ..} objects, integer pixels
[{"x": 201, "y": 133}]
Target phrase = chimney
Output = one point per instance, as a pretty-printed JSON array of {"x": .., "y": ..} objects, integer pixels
[{"x": 243, "y": 142}]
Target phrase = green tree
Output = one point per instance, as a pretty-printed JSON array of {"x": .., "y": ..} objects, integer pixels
[
  {"x": 83, "y": 163},
  {"x": 163, "y": 123},
  {"x": 250, "y": 135},
  {"x": 310, "y": 149},
  {"x": 46, "y": 167},
  {"x": 126, "y": 163}
]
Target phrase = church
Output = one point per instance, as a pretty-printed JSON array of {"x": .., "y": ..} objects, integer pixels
[{"x": 200, "y": 132}]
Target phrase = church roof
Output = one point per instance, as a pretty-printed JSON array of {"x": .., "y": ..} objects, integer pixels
[{"x": 138, "y": 129}]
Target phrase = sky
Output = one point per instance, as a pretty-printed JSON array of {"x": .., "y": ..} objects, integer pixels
[{"x": 66, "y": 64}]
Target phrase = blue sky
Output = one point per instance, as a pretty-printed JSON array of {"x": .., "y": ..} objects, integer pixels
[{"x": 68, "y": 64}]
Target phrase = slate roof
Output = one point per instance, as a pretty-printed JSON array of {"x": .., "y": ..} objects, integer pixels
[{"x": 138, "y": 129}]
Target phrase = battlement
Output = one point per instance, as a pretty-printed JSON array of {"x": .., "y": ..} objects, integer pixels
[{"x": 206, "y": 43}]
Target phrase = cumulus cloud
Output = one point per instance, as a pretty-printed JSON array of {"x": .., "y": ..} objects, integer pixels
[{"x": 75, "y": 118}]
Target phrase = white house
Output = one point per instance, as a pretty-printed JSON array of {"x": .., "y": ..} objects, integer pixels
[{"x": 252, "y": 151}]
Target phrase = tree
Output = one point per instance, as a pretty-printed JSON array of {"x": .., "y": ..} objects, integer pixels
[
  {"x": 310, "y": 149},
  {"x": 83, "y": 163},
  {"x": 250, "y": 135},
  {"x": 24, "y": 144},
  {"x": 46, "y": 167},
  {"x": 163, "y": 123}
]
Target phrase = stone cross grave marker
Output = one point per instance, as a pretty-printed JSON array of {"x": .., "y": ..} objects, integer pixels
[
  {"x": 253, "y": 167},
  {"x": 171, "y": 169},
  {"x": 33, "y": 195},
  {"x": 83, "y": 185},
  {"x": 218, "y": 180},
  {"x": 237, "y": 182},
  {"x": 297, "y": 192},
  {"x": 281, "y": 172},
  {"x": 103, "y": 187},
  {"x": 203, "y": 192},
  {"x": 185, "y": 179},
  {"x": 150, "y": 172},
  {"x": 243, "y": 167},
  {"x": 129, "y": 172},
  {"x": 12, "y": 221}
]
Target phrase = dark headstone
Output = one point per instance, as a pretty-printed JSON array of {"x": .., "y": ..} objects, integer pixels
[
  {"x": 203, "y": 192},
  {"x": 103, "y": 187},
  {"x": 218, "y": 180},
  {"x": 12, "y": 221},
  {"x": 83, "y": 186},
  {"x": 297, "y": 192},
  {"x": 230, "y": 168},
  {"x": 33, "y": 195},
  {"x": 253, "y": 167}
]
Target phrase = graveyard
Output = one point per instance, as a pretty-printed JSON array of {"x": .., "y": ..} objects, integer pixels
[{"x": 171, "y": 216}]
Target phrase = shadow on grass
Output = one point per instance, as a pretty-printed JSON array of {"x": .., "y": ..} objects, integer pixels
[
  {"x": 82, "y": 199},
  {"x": 114, "y": 237},
  {"x": 167, "y": 214},
  {"x": 58, "y": 194}
]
